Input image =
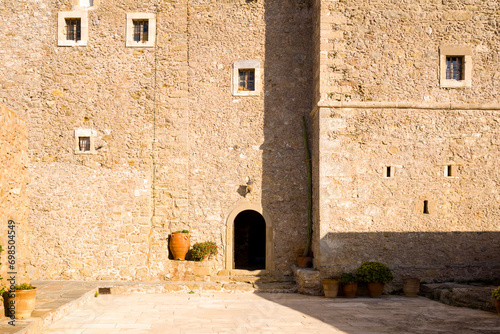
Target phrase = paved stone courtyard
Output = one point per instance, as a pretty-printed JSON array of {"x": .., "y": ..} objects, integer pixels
[{"x": 269, "y": 313}]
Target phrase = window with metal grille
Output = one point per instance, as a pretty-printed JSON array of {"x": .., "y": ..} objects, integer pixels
[
  {"x": 84, "y": 144},
  {"x": 247, "y": 80},
  {"x": 141, "y": 30},
  {"x": 73, "y": 30},
  {"x": 454, "y": 68}
]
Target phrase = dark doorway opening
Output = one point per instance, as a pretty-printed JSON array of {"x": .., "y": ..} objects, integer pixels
[{"x": 249, "y": 241}]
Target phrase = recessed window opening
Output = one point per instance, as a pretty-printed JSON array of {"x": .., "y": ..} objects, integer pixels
[
  {"x": 246, "y": 80},
  {"x": 86, "y": 3},
  {"x": 455, "y": 68},
  {"x": 141, "y": 30},
  {"x": 448, "y": 171},
  {"x": 73, "y": 29},
  {"x": 84, "y": 144},
  {"x": 388, "y": 171},
  {"x": 426, "y": 207}
]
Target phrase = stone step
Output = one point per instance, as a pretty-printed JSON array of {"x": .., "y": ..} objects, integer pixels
[
  {"x": 194, "y": 287},
  {"x": 465, "y": 295}
]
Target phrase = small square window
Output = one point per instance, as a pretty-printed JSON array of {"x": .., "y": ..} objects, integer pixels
[
  {"x": 86, "y": 3},
  {"x": 455, "y": 67},
  {"x": 84, "y": 144},
  {"x": 141, "y": 29},
  {"x": 84, "y": 141},
  {"x": 72, "y": 28},
  {"x": 246, "y": 78}
]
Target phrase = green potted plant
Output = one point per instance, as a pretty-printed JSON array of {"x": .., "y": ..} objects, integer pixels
[
  {"x": 24, "y": 300},
  {"x": 179, "y": 244},
  {"x": 496, "y": 295},
  {"x": 376, "y": 274},
  {"x": 202, "y": 250},
  {"x": 349, "y": 285},
  {"x": 330, "y": 287}
]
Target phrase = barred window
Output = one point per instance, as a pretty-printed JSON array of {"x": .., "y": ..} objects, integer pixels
[
  {"x": 84, "y": 144},
  {"x": 73, "y": 29},
  {"x": 247, "y": 80},
  {"x": 141, "y": 30},
  {"x": 454, "y": 68}
]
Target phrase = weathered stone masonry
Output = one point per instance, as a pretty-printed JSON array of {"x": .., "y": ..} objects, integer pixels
[
  {"x": 14, "y": 202},
  {"x": 172, "y": 144},
  {"x": 378, "y": 103}
]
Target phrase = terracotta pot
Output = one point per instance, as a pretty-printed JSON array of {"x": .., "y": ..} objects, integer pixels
[
  {"x": 497, "y": 305},
  {"x": 375, "y": 289},
  {"x": 330, "y": 287},
  {"x": 179, "y": 245},
  {"x": 304, "y": 261},
  {"x": 24, "y": 303},
  {"x": 350, "y": 289},
  {"x": 411, "y": 286}
]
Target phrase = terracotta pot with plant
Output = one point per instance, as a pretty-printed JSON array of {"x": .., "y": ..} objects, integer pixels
[
  {"x": 24, "y": 300},
  {"x": 203, "y": 250},
  {"x": 496, "y": 295},
  {"x": 375, "y": 274},
  {"x": 349, "y": 285},
  {"x": 179, "y": 244}
]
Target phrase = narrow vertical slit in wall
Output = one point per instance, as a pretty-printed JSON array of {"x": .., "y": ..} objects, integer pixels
[
  {"x": 449, "y": 171},
  {"x": 426, "y": 207},
  {"x": 388, "y": 171}
]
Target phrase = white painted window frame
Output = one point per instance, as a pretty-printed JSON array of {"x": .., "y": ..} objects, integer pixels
[
  {"x": 85, "y": 133},
  {"x": 253, "y": 64},
  {"x": 458, "y": 51},
  {"x": 61, "y": 28},
  {"x": 130, "y": 43}
]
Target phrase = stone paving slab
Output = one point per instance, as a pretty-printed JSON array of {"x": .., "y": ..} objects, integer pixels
[{"x": 270, "y": 313}]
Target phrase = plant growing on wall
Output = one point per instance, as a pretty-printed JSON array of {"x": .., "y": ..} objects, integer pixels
[
  {"x": 307, "y": 250},
  {"x": 202, "y": 250}
]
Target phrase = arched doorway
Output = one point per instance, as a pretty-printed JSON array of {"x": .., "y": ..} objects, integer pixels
[
  {"x": 262, "y": 217},
  {"x": 249, "y": 241}
]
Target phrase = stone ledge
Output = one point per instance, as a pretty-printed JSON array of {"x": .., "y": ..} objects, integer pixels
[{"x": 463, "y": 295}]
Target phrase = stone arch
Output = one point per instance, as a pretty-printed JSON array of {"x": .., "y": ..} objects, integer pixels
[{"x": 240, "y": 207}]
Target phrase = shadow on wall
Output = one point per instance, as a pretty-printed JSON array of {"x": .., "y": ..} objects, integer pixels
[
  {"x": 288, "y": 93},
  {"x": 430, "y": 256}
]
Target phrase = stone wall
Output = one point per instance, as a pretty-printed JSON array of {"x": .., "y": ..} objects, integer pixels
[
  {"x": 379, "y": 103},
  {"x": 388, "y": 51},
  {"x": 14, "y": 203},
  {"x": 172, "y": 144}
]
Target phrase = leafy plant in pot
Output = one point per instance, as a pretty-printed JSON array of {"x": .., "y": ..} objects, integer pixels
[
  {"x": 349, "y": 285},
  {"x": 202, "y": 250},
  {"x": 376, "y": 274},
  {"x": 179, "y": 244},
  {"x": 496, "y": 295},
  {"x": 24, "y": 300}
]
